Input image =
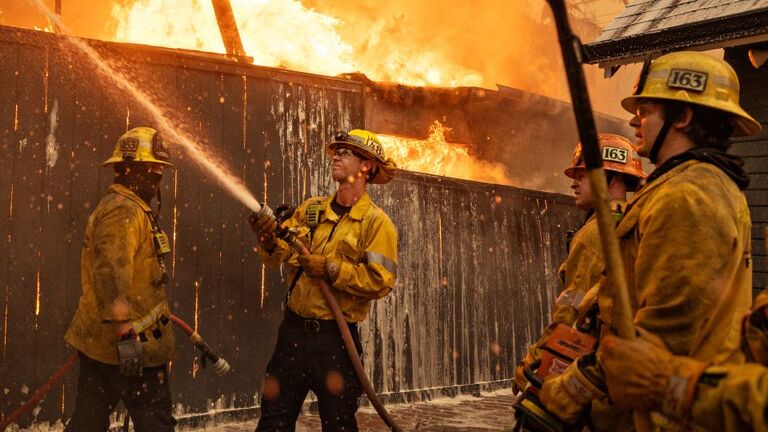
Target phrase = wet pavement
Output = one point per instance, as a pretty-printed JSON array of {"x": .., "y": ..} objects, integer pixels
[{"x": 488, "y": 412}]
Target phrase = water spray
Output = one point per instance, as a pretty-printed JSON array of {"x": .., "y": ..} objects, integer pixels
[
  {"x": 231, "y": 183},
  {"x": 163, "y": 123}
]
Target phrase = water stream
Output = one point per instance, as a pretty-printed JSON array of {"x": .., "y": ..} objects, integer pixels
[{"x": 172, "y": 134}]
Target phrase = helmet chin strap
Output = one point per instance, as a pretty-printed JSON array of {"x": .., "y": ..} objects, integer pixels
[{"x": 671, "y": 112}]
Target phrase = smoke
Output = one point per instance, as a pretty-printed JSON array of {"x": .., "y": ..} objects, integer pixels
[
  {"x": 423, "y": 42},
  {"x": 85, "y": 18},
  {"x": 493, "y": 41}
]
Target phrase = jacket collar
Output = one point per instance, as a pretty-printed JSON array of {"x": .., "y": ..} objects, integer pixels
[
  {"x": 632, "y": 214},
  {"x": 119, "y": 189},
  {"x": 662, "y": 179},
  {"x": 358, "y": 210}
]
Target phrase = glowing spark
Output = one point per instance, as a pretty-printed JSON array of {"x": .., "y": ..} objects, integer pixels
[
  {"x": 440, "y": 236},
  {"x": 16, "y": 118},
  {"x": 173, "y": 228},
  {"x": 37, "y": 295},
  {"x": 10, "y": 212},
  {"x": 45, "y": 81},
  {"x": 5, "y": 323},
  {"x": 263, "y": 267},
  {"x": 197, "y": 307},
  {"x": 245, "y": 106}
]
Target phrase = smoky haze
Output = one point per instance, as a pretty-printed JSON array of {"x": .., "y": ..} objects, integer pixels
[{"x": 483, "y": 43}]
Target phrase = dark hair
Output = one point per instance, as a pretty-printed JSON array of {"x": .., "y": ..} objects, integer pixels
[
  {"x": 710, "y": 127},
  {"x": 631, "y": 182}
]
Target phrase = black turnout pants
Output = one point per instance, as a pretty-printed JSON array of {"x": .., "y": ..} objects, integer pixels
[
  {"x": 100, "y": 386},
  {"x": 310, "y": 355}
]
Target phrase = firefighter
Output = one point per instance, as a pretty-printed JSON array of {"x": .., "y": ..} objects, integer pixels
[
  {"x": 685, "y": 238},
  {"x": 642, "y": 376},
  {"x": 584, "y": 265},
  {"x": 353, "y": 247},
  {"x": 121, "y": 329}
]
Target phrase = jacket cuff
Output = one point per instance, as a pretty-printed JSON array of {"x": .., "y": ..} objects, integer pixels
[{"x": 345, "y": 274}]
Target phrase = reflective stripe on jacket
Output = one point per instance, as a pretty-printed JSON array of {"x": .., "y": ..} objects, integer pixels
[
  {"x": 366, "y": 242},
  {"x": 119, "y": 274}
]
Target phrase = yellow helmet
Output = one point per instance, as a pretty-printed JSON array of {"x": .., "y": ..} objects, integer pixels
[
  {"x": 368, "y": 144},
  {"x": 619, "y": 155},
  {"x": 695, "y": 78},
  {"x": 141, "y": 144}
]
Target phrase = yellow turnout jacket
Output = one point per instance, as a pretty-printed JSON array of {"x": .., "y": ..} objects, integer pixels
[
  {"x": 121, "y": 281},
  {"x": 686, "y": 245},
  {"x": 365, "y": 240},
  {"x": 735, "y": 397}
]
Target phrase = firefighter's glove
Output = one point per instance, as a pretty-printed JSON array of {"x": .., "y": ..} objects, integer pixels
[
  {"x": 129, "y": 355},
  {"x": 320, "y": 266},
  {"x": 644, "y": 377},
  {"x": 567, "y": 395},
  {"x": 264, "y": 224},
  {"x": 313, "y": 265}
]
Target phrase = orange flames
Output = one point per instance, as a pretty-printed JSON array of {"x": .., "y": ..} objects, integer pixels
[
  {"x": 285, "y": 33},
  {"x": 437, "y": 156}
]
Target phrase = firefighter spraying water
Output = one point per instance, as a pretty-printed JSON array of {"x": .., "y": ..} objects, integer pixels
[
  {"x": 347, "y": 246},
  {"x": 216, "y": 169}
]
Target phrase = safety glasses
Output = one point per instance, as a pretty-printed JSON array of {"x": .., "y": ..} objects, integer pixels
[{"x": 343, "y": 152}]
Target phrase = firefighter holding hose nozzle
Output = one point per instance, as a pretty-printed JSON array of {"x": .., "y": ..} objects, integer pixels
[
  {"x": 122, "y": 328},
  {"x": 352, "y": 246}
]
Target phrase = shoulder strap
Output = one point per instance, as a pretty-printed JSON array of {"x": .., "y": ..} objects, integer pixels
[{"x": 312, "y": 227}]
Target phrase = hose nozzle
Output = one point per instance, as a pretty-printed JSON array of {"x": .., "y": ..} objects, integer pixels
[{"x": 221, "y": 367}]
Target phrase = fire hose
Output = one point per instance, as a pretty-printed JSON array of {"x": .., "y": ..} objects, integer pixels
[
  {"x": 220, "y": 367},
  {"x": 357, "y": 364}
]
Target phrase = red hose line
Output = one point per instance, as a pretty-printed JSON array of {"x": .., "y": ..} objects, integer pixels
[
  {"x": 61, "y": 373},
  {"x": 354, "y": 357},
  {"x": 349, "y": 344},
  {"x": 183, "y": 325},
  {"x": 41, "y": 392}
]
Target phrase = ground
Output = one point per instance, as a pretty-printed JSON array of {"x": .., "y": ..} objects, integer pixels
[{"x": 488, "y": 412}]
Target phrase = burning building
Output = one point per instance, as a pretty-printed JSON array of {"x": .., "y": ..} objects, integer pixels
[{"x": 477, "y": 260}]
